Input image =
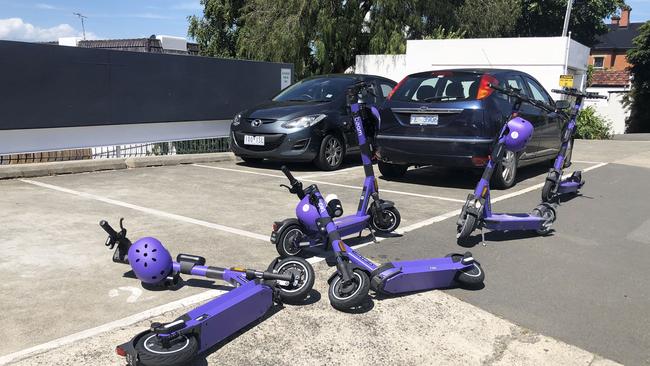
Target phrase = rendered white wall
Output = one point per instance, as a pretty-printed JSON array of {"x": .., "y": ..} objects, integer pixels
[
  {"x": 389, "y": 66},
  {"x": 611, "y": 108}
]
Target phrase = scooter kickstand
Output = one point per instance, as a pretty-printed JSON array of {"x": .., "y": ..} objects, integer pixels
[
  {"x": 483, "y": 238},
  {"x": 374, "y": 238}
]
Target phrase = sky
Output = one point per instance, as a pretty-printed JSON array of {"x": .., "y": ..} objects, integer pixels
[{"x": 43, "y": 20}]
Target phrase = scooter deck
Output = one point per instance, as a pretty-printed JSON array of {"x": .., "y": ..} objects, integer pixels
[
  {"x": 230, "y": 312},
  {"x": 569, "y": 187},
  {"x": 518, "y": 221},
  {"x": 421, "y": 274},
  {"x": 352, "y": 224}
]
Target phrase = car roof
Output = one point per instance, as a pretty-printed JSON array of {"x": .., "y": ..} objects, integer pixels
[
  {"x": 491, "y": 71},
  {"x": 350, "y": 76}
]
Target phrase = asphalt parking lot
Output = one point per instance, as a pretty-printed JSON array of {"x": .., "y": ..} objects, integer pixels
[{"x": 584, "y": 285}]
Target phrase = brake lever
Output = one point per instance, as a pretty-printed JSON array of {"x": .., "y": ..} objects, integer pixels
[
  {"x": 110, "y": 242},
  {"x": 286, "y": 186}
]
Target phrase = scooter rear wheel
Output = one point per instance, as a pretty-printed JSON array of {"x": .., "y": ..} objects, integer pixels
[
  {"x": 346, "y": 297},
  {"x": 287, "y": 245},
  {"x": 470, "y": 276},
  {"x": 546, "y": 212},
  {"x": 389, "y": 221},
  {"x": 468, "y": 224},
  {"x": 151, "y": 351},
  {"x": 303, "y": 272}
]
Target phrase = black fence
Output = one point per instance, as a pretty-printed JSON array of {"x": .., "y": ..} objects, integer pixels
[{"x": 46, "y": 86}]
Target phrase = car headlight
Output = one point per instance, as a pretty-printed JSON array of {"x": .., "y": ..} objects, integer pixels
[
  {"x": 237, "y": 120},
  {"x": 305, "y": 121}
]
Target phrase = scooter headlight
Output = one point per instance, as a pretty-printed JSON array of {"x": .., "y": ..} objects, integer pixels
[
  {"x": 303, "y": 122},
  {"x": 477, "y": 204},
  {"x": 236, "y": 120}
]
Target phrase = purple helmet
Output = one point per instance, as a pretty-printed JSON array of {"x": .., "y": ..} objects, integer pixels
[
  {"x": 149, "y": 259},
  {"x": 519, "y": 132}
]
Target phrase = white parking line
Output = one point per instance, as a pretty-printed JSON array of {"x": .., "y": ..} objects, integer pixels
[
  {"x": 336, "y": 172},
  {"x": 151, "y": 211},
  {"x": 331, "y": 184},
  {"x": 32, "y": 351},
  {"x": 210, "y": 293}
]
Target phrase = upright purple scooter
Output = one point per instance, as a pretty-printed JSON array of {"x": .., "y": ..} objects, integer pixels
[
  {"x": 356, "y": 275},
  {"x": 477, "y": 210},
  {"x": 555, "y": 186},
  {"x": 291, "y": 236},
  {"x": 176, "y": 343}
]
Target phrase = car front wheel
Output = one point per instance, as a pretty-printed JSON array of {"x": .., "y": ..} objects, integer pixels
[{"x": 331, "y": 153}]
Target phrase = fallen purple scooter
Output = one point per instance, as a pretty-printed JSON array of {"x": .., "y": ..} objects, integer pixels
[
  {"x": 178, "y": 342},
  {"x": 291, "y": 236},
  {"x": 477, "y": 211},
  {"x": 555, "y": 185},
  {"x": 356, "y": 275}
]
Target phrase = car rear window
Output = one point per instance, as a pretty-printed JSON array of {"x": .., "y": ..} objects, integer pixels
[{"x": 438, "y": 86}]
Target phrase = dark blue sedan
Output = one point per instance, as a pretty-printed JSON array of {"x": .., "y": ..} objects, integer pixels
[{"x": 449, "y": 118}]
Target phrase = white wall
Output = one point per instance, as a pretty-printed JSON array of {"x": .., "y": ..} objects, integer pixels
[
  {"x": 612, "y": 107},
  {"x": 543, "y": 58},
  {"x": 389, "y": 66}
]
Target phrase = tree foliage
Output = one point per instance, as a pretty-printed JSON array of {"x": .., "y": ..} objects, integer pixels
[
  {"x": 639, "y": 97},
  {"x": 324, "y": 36},
  {"x": 545, "y": 18}
]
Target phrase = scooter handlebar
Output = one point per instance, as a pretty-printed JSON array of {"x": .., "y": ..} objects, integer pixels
[
  {"x": 577, "y": 93},
  {"x": 109, "y": 230},
  {"x": 515, "y": 93},
  {"x": 287, "y": 172},
  {"x": 278, "y": 276}
]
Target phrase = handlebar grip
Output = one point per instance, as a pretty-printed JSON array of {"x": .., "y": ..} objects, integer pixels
[
  {"x": 278, "y": 277},
  {"x": 107, "y": 227},
  {"x": 287, "y": 172}
]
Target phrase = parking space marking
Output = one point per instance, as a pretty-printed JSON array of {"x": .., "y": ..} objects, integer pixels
[
  {"x": 340, "y": 171},
  {"x": 124, "y": 322},
  {"x": 332, "y": 184},
  {"x": 151, "y": 211},
  {"x": 586, "y": 162},
  {"x": 191, "y": 300}
]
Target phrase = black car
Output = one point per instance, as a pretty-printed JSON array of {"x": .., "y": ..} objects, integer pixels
[
  {"x": 308, "y": 121},
  {"x": 449, "y": 118}
]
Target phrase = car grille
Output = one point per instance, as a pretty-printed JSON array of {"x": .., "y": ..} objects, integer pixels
[
  {"x": 264, "y": 120},
  {"x": 271, "y": 141}
]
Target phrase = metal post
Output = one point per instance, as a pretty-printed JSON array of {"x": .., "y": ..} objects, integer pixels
[
  {"x": 567, "y": 17},
  {"x": 83, "y": 26}
]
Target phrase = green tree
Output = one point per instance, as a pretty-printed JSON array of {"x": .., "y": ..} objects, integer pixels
[
  {"x": 639, "y": 98},
  {"x": 494, "y": 18},
  {"x": 545, "y": 18},
  {"x": 217, "y": 30}
]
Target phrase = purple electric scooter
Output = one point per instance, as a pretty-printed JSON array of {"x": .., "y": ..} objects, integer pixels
[
  {"x": 477, "y": 211},
  {"x": 356, "y": 275},
  {"x": 178, "y": 342},
  {"x": 555, "y": 186},
  {"x": 291, "y": 236}
]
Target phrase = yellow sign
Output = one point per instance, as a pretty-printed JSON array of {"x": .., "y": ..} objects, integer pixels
[{"x": 566, "y": 81}]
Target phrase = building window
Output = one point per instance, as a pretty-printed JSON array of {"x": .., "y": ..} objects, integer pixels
[{"x": 599, "y": 62}]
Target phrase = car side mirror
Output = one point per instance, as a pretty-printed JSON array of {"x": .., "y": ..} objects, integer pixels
[{"x": 562, "y": 104}]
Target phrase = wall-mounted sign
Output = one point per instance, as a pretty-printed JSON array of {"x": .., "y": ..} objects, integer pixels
[{"x": 285, "y": 78}]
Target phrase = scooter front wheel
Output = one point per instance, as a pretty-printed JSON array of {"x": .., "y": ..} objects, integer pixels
[
  {"x": 152, "y": 352},
  {"x": 547, "y": 191},
  {"x": 388, "y": 222},
  {"x": 346, "y": 296},
  {"x": 466, "y": 227},
  {"x": 304, "y": 276},
  {"x": 288, "y": 243}
]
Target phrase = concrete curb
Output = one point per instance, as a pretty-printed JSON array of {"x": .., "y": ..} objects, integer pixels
[{"x": 82, "y": 166}]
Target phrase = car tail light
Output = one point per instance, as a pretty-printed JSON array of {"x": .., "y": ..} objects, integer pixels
[
  {"x": 480, "y": 160},
  {"x": 120, "y": 351},
  {"x": 390, "y": 95},
  {"x": 484, "y": 89}
]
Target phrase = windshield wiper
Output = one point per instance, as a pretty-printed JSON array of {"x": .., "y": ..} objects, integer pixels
[{"x": 297, "y": 100}]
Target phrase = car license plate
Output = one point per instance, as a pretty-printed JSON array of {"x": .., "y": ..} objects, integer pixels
[
  {"x": 424, "y": 119},
  {"x": 253, "y": 140}
]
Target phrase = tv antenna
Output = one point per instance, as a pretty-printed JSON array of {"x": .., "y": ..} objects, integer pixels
[{"x": 83, "y": 26}]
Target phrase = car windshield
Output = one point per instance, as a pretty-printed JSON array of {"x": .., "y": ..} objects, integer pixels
[
  {"x": 438, "y": 86},
  {"x": 315, "y": 90}
]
